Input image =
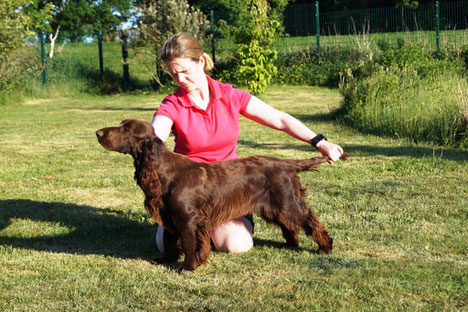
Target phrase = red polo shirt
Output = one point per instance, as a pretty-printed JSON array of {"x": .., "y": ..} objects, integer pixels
[{"x": 206, "y": 135}]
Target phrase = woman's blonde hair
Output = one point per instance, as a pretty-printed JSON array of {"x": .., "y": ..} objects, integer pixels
[{"x": 186, "y": 46}]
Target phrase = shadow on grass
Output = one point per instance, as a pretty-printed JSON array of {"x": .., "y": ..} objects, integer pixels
[
  {"x": 275, "y": 146},
  {"x": 330, "y": 117},
  {"x": 105, "y": 232},
  {"x": 368, "y": 150},
  {"x": 88, "y": 230},
  {"x": 410, "y": 151},
  {"x": 129, "y": 108},
  {"x": 318, "y": 262},
  {"x": 61, "y": 69},
  {"x": 260, "y": 242}
]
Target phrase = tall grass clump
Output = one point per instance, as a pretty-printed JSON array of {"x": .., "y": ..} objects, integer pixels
[{"x": 408, "y": 92}]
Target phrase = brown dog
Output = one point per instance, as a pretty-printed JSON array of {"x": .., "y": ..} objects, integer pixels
[{"x": 190, "y": 198}]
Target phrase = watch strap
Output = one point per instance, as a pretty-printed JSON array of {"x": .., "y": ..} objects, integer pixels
[{"x": 315, "y": 140}]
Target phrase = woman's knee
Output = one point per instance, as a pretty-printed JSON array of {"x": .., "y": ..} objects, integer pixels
[
  {"x": 160, "y": 239},
  {"x": 234, "y": 236}
]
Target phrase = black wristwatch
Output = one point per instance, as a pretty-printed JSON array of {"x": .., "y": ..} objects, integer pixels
[{"x": 315, "y": 140}]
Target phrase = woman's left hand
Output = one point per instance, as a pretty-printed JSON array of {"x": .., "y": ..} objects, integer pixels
[{"x": 333, "y": 151}]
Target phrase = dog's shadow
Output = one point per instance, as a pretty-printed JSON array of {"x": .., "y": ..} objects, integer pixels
[
  {"x": 280, "y": 244},
  {"x": 85, "y": 229}
]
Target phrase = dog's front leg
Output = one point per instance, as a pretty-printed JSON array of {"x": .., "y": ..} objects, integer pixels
[
  {"x": 196, "y": 247},
  {"x": 172, "y": 250}
]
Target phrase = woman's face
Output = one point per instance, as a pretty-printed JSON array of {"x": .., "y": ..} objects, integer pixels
[{"x": 188, "y": 74}]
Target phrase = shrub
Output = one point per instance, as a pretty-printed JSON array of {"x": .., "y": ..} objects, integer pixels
[
  {"x": 18, "y": 21},
  {"x": 408, "y": 92},
  {"x": 158, "y": 21},
  {"x": 254, "y": 54},
  {"x": 464, "y": 55},
  {"x": 305, "y": 67}
]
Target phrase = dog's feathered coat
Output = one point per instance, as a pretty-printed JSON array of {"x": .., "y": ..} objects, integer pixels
[{"x": 190, "y": 198}]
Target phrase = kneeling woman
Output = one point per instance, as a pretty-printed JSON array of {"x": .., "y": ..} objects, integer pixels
[{"x": 203, "y": 115}]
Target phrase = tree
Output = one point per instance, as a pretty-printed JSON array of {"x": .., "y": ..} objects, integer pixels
[
  {"x": 80, "y": 18},
  {"x": 256, "y": 57},
  {"x": 19, "y": 20},
  {"x": 412, "y": 4},
  {"x": 255, "y": 27},
  {"x": 157, "y": 22},
  {"x": 228, "y": 9}
]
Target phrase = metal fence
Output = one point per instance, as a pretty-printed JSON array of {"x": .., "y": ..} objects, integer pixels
[
  {"x": 306, "y": 29},
  {"x": 434, "y": 24},
  {"x": 299, "y": 20}
]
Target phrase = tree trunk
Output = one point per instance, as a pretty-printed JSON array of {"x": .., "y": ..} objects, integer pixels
[{"x": 52, "y": 41}]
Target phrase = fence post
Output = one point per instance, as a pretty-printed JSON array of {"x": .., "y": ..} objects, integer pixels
[
  {"x": 126, "y": 75},
  {"x": 437, "y": 16},
  {"x": 317, "y": 26},
  {"x": 43, "y": 57},
  {"x": 213, "y": 48},
  {"x": 101, "y": 61}
]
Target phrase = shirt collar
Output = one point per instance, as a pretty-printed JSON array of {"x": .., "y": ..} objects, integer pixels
[
  {"x": 215, "y": 88},
  {"x": 185, "y": 100}
]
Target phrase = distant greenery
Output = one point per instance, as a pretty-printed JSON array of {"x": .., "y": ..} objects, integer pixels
[{"x": 19, "y": 19}]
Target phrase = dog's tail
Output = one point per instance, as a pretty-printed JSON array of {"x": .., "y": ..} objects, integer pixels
[{"x": 311, "y": 164}]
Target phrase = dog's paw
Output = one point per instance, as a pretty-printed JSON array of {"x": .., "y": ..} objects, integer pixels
[
  {"x": 158, "y": 261},
  {"x": 324, "y": 251}
]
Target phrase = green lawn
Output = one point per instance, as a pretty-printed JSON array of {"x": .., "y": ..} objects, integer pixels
[
  {"x": 74, "y": 234},
  {"x": 362, "y": 40}
]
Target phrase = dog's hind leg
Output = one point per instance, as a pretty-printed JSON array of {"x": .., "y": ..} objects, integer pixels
[
  {"x": 312, "y": 226},
  {"x": 290, "y": 232}
]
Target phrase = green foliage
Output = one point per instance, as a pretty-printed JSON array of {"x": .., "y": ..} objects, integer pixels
[
  {"x": 254, "y": 52},
  {"x": 228, "y": 10},
  {"x": 464, "y": 55},
  {"x": 85, "y": 17},
  {"x": 305, "y": 67},
  {"x": 19, "y": 19},
  {"x": 256, "y": 66},
  {"x": 158, "y": 22},
  {"x": 408, "y": 92},
  {"x": 412, "y": 4},
  {"x": 17, "y": 67}
]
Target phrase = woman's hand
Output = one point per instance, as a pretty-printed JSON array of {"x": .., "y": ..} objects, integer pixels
[{"x": 333, "y": 151}]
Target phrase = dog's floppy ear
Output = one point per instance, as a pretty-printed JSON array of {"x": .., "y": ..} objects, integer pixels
[{"x": 146, "y": 171}]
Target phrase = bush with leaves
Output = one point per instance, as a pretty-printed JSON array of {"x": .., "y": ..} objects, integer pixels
[
  {"x": 408, "y": 92},
  {"x": 19, "y": 20},
  {"x": 159, "y": 21},
  {"x": 306, "y": 68},
  {"x": 256, "y": 28}
]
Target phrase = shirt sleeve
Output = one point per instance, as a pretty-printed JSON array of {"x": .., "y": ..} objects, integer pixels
[
  {"x": 241, "y": 98},
  {"x": 167, "y": 108}
]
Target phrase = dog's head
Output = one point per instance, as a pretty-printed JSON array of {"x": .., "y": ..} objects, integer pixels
[{"x": 127, "y": 137}]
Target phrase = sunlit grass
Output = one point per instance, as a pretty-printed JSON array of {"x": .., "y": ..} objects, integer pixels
[{"x": 74, "y": 234}]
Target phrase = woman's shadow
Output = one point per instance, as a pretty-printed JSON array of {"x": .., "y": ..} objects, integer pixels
[{"x": 82, "y": 229}]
